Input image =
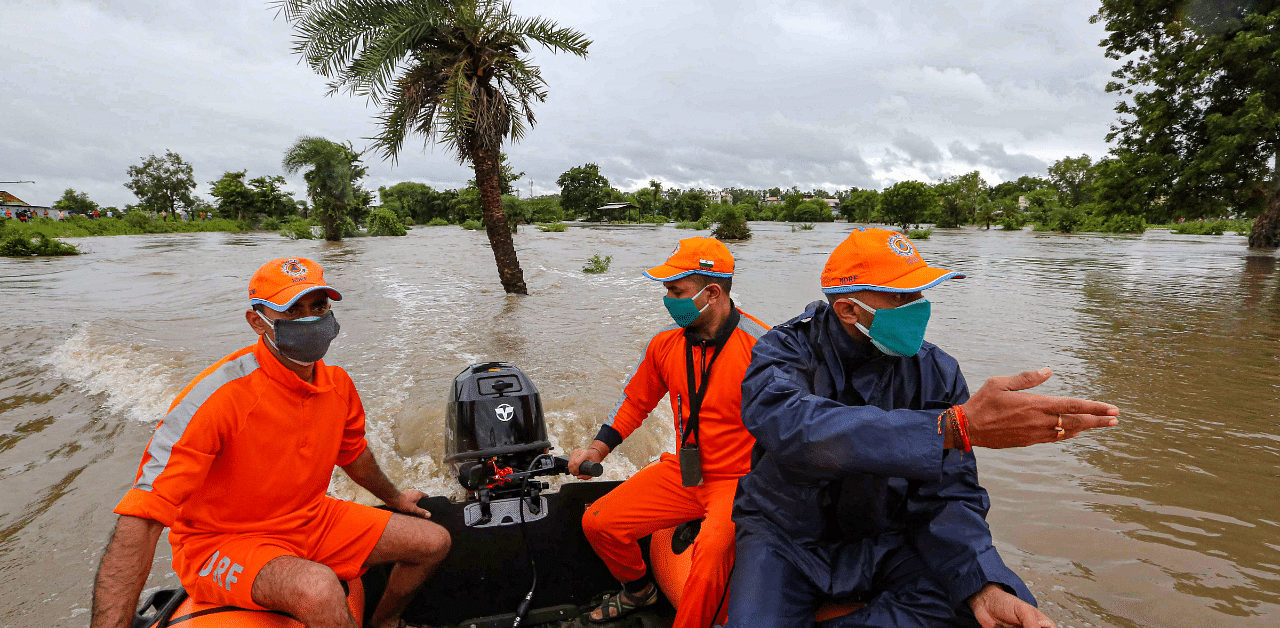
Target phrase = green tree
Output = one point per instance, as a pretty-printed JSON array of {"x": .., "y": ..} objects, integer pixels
[
  {"x": 732, "y": 224},
  {"x": 468, "y": 205},
  {"x": 1074, "y": 178},
  {"x": 583, "y": 190},
  {"x": 407, "y": 200},
  {"x": 790, "y": 205},
  {"x": 688, "y": 205},
  {"x": 860, "y": 205},
  {"x": 332, "y": 173},
  {"x": 1120, "y": 189},
  {"x": 1014, "y": 189},
  {"x": 812, "y": 210},
  {"x": 959, "y": 198},
  {"x": 1042, "y": 205},
  {"x": 163, "y": 184},
  {"x": 507, "y": 175},
  {"x": 270, "y": 198},
  {"x": 456, "y": 71},
  {"x": 73, "y": 201},
  {"x": 235, "y": 199},
  {"x": 1200, "y": 117},
  {"x": 906, "y": 203}
]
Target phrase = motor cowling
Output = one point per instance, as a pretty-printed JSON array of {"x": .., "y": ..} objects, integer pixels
[{"x": 494, "y": 417}]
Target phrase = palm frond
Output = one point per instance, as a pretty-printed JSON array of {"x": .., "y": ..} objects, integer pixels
[{"x": 454, "y": 71}]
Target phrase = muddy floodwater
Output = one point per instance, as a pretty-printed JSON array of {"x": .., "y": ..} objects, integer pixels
[{"x": 1170, "y": 519}]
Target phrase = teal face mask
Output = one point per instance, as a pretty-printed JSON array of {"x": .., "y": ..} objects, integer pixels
[
  {"x": 684, "y": 311},
  {"x": 897, "y": 331}
]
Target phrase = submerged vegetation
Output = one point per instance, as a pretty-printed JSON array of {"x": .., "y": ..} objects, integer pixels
[
  {"x": 19, "y": 245},
  {"x": 384, "y": 222},
  {"x": 596, "y": 264}
]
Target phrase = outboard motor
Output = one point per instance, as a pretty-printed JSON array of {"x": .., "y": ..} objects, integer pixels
[{"x": 494, "y": 428}]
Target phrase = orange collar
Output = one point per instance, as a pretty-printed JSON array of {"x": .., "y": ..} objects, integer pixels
[{"x": 281, "y": 374}]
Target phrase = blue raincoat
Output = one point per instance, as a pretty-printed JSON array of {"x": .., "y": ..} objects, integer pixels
[{"x": 851, "y": 495}]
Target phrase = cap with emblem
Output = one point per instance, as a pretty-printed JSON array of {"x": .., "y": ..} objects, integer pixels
[
  {"x": 703, "y": 256},
  {"x": 280, "y": 282},
  {"x": 876, "y": 259}
]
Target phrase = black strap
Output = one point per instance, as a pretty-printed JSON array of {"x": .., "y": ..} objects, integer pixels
[{"x": 696, "y": 392}]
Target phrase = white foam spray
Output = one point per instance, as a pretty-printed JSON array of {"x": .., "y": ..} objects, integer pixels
[{"x": 131, "y": 376}]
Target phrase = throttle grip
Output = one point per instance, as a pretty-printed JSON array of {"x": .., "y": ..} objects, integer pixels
[{"x": 593, "y": 469}]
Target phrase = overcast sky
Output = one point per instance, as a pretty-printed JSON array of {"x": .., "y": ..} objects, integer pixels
[{"x": 693, "y": 93}]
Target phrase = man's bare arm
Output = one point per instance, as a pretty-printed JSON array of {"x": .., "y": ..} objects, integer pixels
[
  {"x": 123, "y": 571},
  {"x": 364, "y": 470}
]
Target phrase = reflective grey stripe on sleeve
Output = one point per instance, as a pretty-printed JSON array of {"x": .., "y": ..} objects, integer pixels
[
  {"x": 754, "y": 329},
  {"x": 175, "y": 423},
  {"x": 623, "y": 397}
]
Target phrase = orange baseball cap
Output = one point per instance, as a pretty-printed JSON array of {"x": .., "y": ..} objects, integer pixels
[
  {"x": 876, "y": 259},
  {"x": 703, "y": 256},
  {"x": 280, "y": 282}
]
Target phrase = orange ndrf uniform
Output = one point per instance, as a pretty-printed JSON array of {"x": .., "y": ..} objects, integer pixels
[
  {"x": 238, "y": 471},
  {"x": 655, "y": 498}
]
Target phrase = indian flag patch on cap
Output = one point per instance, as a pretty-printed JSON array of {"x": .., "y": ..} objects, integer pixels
[{"x": 706, "y": 263}]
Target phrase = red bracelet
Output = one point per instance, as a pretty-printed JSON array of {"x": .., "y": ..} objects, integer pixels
[{"x": 962, "y": 422}]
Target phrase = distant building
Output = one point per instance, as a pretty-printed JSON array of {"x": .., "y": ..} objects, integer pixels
[
  {"x": 771, "y": 200},
  {"x": 618, "y": 211},
  {"x": 13, "y": 204}
]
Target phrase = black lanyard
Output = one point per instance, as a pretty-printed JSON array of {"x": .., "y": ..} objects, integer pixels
[{"x": 696, "y": 392}]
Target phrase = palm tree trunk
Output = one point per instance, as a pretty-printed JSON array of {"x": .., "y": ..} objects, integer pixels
[
  {"x": 1266, "y": 229},
  {"x": 495, "y": 222}
]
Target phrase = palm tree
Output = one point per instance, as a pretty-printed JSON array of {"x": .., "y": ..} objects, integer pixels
[
  {"x": 334, "y": 169},
  {"x": 454, "y": 71}
]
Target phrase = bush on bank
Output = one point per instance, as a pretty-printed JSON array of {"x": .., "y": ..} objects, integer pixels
[
  {"x": 15, "y": 243},
  {"x": 383, "y": 222},
  {"x": 297, "y": 228}
]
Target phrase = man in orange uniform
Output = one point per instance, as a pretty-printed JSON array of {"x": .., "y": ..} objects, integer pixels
[
  {"x": 238, "y": 471},
  {"x": 700, "y": 362}
]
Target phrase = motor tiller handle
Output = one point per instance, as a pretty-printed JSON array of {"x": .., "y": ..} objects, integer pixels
[{"x": 593, "y": 469}]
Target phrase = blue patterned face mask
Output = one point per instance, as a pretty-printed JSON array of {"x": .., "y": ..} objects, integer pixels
[
  {"x": 897, "y": 331},
  {"x": 684, "y": 311}
]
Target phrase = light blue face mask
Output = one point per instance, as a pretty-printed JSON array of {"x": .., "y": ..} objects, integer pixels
[
  {"x": 897, "y": 331},
  {"x": 684, "y": 311}
]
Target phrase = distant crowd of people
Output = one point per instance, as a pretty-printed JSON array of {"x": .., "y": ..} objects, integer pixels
[{"x": 27, "y": 214}]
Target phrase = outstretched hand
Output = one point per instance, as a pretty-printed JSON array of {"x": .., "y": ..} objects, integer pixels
[
  {"x": 407, "y": 503},
  {"x": 1001, "y": 415},
  {"x": 996, "y": 608}
]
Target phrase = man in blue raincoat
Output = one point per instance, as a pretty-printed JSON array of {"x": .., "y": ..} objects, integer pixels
[{"x": 860, "y": 490}]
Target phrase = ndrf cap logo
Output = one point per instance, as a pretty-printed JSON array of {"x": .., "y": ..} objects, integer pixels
[
  {"x": 294, "y": 269},
  {"x": 901, "y": 246}
]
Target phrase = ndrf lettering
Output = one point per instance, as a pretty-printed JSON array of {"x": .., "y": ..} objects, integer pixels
[{"x": 221, "y": 569}]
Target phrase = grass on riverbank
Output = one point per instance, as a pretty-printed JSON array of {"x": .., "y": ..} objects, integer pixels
[
  {"x": 133, "y": 224},
  {"x": 1209, "y": 227}
]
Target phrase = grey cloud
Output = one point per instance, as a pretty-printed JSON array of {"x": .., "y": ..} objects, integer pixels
[
  {"x": 994, "y": 155},
  {"x": 918, "y": 148},
  {"x": 717, "y": 93}
]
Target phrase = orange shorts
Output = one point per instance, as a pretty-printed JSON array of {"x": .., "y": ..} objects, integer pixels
[{"x": 221, "y": 568}]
